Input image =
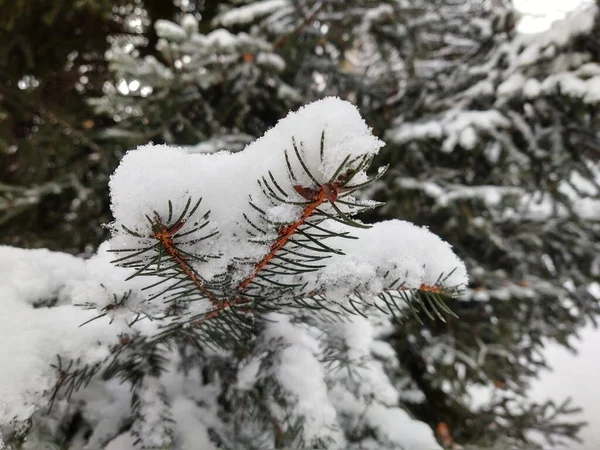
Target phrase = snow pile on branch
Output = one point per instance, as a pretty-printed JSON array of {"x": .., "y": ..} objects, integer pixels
[
  {"x": 455, "y": 127},
  {"x": 397, "y": 248},
  {"x": 38, "y": 322},
  {"x": 225, "y": 182},
  {"x": 249, "y": 13}
]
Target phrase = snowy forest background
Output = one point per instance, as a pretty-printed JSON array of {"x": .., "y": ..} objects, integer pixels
[{"x": 489, "y": 114}]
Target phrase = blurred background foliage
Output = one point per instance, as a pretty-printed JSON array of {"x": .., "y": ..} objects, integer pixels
[{"x": 53, "y": 172}]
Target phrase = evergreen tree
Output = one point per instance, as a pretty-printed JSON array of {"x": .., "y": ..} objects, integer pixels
[
  {"x": 500, "y": 157},
  {"x": 434, "y": 77},
  {"x": 198, "y": 87},
  {"x": 231, "y": 75},
  {"x": 243, "y": 307}
]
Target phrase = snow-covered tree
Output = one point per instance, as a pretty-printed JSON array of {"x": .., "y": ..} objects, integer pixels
[
  {"x": 232, "y": 75},
  {"x": 237, "y": 304},
  {"x": 492, "y": 139},
  {"x": 501, "y": 158},
  {"x": 218, "y": 85}
]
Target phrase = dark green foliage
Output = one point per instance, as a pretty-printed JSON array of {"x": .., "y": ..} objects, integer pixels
[
  {"x": 51, "y": 56},
  {"x": 52, "y": 166}
]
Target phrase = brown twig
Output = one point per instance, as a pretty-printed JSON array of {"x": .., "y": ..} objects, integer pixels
[
  {"x": 435, "y": 289},
  {"x": 286, "y": 233},
  {"x": 318, "y": 197},
  {"x": 165, "y": 235}
]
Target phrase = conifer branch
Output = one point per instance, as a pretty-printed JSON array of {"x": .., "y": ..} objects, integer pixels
[
  {"x": 165, "y": 236},
  {"x": 301, "y": 233},
  {"x": 165, "y": 257},
  {"x": 286, "y": 232},
  {"x": 249, "y": 306}
]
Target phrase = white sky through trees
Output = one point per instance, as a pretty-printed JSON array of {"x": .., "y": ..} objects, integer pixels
[{"x": 539, "y": 14}]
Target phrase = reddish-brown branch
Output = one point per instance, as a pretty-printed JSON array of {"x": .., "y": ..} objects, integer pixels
[
  {"x": 436, "y": 288},
  {"x": 327, "y": 192},
  {"x": 165, "y": 236},
  {"x": 286, "y": 233}
]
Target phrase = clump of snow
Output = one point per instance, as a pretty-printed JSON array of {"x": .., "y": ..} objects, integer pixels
[
  {"x": 33, "y": 337},
  {"x": 481, "y": 88},
  {"x": 399, "y": 249},
  {"x": 152, "y": 404},
  {"x": 189, "y": 24},
  {"x": 47, "y": 299},
  {"x": 532, "y": 88},
  {"x": 467, "y": 138},
  {"x": 286, "y": 92},
  {"x": 248, "y": 374},
  {"x": 221, "y": 38},
  {"x": 301, "y": 375},
  {"x": 417, "y": 131},
  {"x": 454, "y": 127},
  {"x": 249, "y": 13},
  {"x": 225, "y": 182},
  {"x": 271, "y": 60},
  {"x": 568, "y": 84},
  {"x": 192, "y": 432},
  {"x": 38, "y": 277},
  {"x": 592, "y": 94},
  {"x": 511, "y": 86},
  {"x": 169, "y": 30}
]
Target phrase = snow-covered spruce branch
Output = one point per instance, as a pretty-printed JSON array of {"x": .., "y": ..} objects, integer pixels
[{"x": 244, "y": 273}]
